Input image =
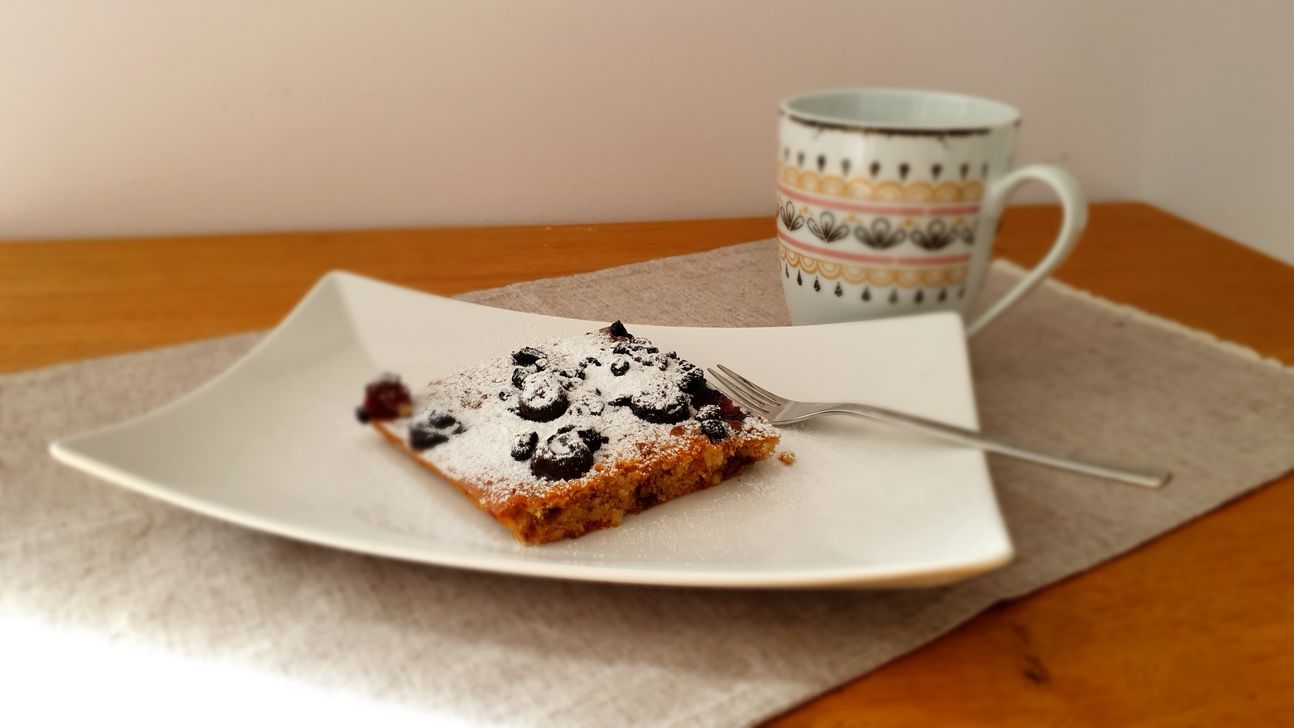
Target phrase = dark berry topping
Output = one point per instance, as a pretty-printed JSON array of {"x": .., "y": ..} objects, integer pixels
[
  {"x": 672, "y": 355},
  {"x": 519, "y": 377},
  {"x": 690, "y": 376},
  {"x": 361, "y": 414},
  {"x": 653, "y": 350},
  {"x": 619, "y": 367},
  {"x": 524, "y": 445},
  {"x": 621, "y": 401},
  {"x": 587, "y": 405},
  {"x": 505, "y": 395},
  {"x": 572, "y": 373},
  {"x": 438, "y": 419},
  {"x": 542, "y": 398},
  {"x": 703, "y": 395},
  {"x": 662, "y": 404},
  {"x": 541, "y": 363},
  {"x": 386, "y": 398},
  {"x": 647, "y": 360},
  {"x": 621, "y": 349},
  {"x": 563, "y": 456},
  {"x": 527, "y": 356},
  {"x": 422, "y": 437},
  {"x": 709, "y": 412},
  {"x": 617, "y": 330},
  {"x": 432, "y": 428},
  {"x": 716, "y": 430},
  {"x": 590, "y": 361},
  {"x": 592, "y": 438}
]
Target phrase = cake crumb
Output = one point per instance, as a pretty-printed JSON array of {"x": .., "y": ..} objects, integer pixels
[{"x": 787, "y": 457}]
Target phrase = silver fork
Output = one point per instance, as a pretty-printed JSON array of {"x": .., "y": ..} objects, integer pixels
[{"x": 782, "y": 411}]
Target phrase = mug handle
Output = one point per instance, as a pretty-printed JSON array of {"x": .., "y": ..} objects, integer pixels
[{"x": 1074, "y": 210}]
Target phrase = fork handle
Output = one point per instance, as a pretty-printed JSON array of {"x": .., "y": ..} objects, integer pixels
[{"x": 1113, "y": 471}]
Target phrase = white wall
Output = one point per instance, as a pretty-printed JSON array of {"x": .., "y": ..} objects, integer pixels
[
  {"x": 1217, "y": 128},
  {"x": 150, "y": 116}
]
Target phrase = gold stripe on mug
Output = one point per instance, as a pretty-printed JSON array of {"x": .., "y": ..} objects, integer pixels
[{"x": 902, "y": 276}]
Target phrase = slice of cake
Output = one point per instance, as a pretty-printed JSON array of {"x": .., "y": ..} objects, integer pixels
[{"x": 567, "y": 436}]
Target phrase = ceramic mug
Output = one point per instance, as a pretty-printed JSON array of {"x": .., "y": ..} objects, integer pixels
[{"x": 889, "y": 200}]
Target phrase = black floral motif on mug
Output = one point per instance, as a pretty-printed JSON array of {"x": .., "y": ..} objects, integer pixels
[
  {"x": 936, "y": 236},
  {"x": 791, "y": 219},
  {"x": 966, "y": 233},
  {"x": 880, "y": 235},
  {"x": 826, "y": 229}
]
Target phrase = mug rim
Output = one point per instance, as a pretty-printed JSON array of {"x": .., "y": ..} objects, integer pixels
[{"x": 998, "y": 113}]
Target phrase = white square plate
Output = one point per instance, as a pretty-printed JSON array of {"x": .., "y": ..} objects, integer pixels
[{"x": 272, "y": 444}]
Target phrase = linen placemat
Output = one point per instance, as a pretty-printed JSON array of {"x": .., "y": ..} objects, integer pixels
[{"x": 1061, "y": 367}]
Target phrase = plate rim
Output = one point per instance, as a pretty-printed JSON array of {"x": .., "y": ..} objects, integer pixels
[{"x": 907, "y": 575}]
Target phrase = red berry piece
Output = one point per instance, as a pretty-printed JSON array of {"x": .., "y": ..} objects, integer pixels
[
  {"x": 386, "y": 398},
  {"x": 729, "y": 409}
]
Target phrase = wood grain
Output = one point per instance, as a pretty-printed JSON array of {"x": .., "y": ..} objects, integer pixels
[{"x": 1193, "y": 629}]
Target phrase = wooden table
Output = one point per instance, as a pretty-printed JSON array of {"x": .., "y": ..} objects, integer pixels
[{"x": 1195, "y": 628}]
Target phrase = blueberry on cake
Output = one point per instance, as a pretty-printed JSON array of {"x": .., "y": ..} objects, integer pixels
[{"x": 569, "y": 435}]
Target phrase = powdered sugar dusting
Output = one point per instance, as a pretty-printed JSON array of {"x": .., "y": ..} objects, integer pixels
[{"x": 577, "y": 375}]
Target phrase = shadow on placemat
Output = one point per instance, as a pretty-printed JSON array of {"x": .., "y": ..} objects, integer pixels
[{"x": 1093, "y": 377}]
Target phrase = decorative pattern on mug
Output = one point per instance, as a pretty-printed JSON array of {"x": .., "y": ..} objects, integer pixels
[
  {"x": 792, "y": 220},
  {"x": 904, "y": 277},
  {"x": 880, "y": 233},
  {"x": 937, "y": 235},
  {"x": 893, "y": 191},
  {"x": 825, "y": 228}
]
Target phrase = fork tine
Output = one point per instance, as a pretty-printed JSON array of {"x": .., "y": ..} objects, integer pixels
[
  {"x": 746, "y": 392},
  {"x": 775, "y": 399},
  {"x": 743, "y": 395},
  {"x": 737, "y": 396}
]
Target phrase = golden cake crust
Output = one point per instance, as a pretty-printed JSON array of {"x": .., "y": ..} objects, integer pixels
[{"x": 603, "y": 498}]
